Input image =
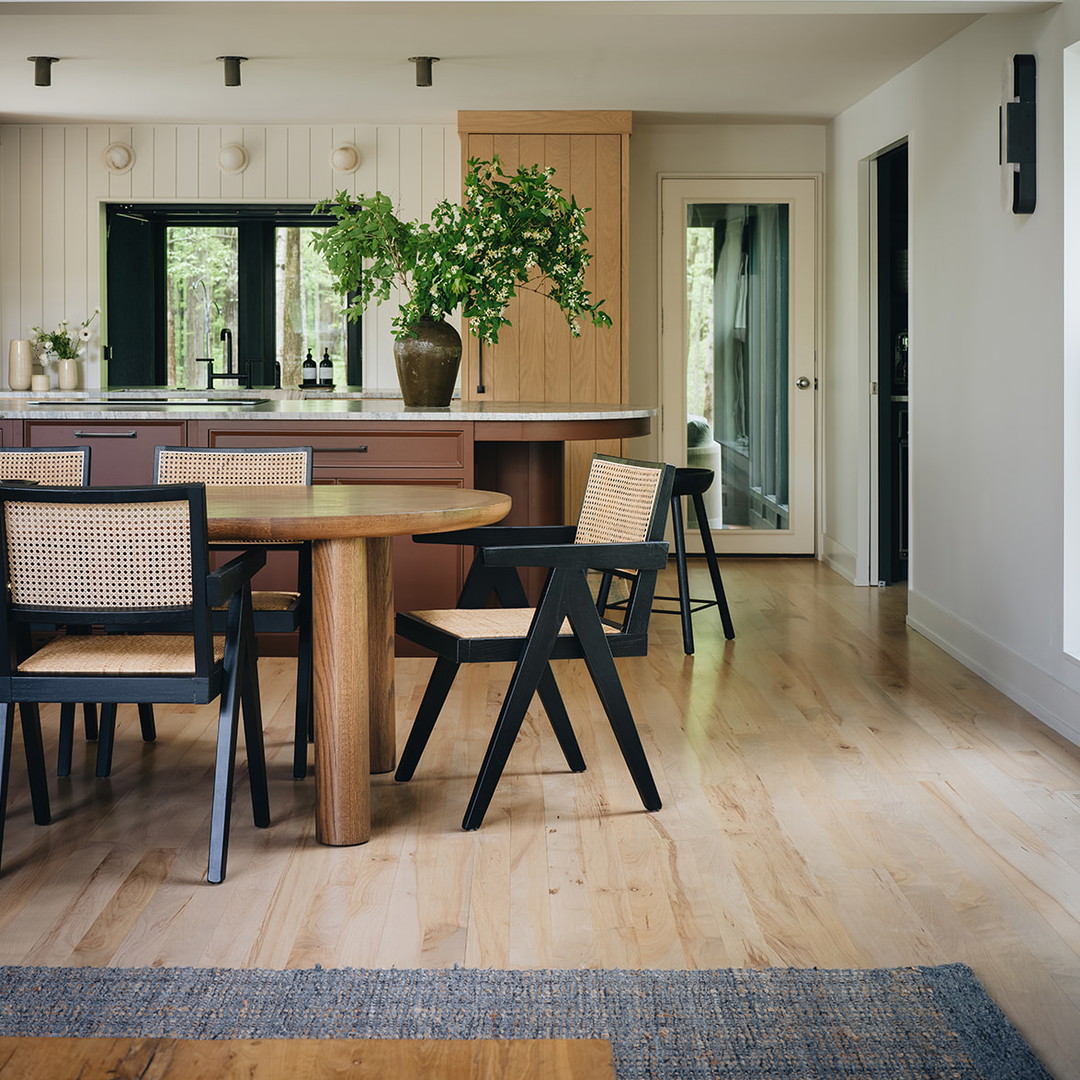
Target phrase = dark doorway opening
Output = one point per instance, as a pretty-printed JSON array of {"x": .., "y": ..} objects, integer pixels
[{"x": 892, "y": 364}]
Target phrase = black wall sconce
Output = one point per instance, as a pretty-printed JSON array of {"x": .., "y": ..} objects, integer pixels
[
  {"x": 43, "y": 69},
  {"x": 423, "y": 68},
  {"x": 1020, "y": 133},
  {"x": 232, "y": 69}
]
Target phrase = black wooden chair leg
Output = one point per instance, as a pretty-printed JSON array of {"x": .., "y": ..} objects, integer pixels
[
  {"x": 714, "y": 568},
  {"x": 511, "y": 716},
  {"x": 225, "y": 759},
  {"x": 65, "y": 738},
  {"x": 146, "y": 721},
  {"x": 106, "y": 738},
  {"x": 603, "y": 591},
  {"x": 524, "y": 682},
  {"x": 305, "y": 712},
  {"x": 35, "y": 761},
  {"x": 7, "y": 732},
  {"x": 684, "y": 580},
  {"x": 439, "y": 683},
  {"x": 551, "y": 699},
  {"x": 254, "y": 744},
  {"x": 90, "y": 720},
  {"x": 224, "y": 764},
  {"x": 605, "y": 677}
]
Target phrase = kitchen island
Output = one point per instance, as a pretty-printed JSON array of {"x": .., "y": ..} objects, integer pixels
[{"x": 513, "y": 447}]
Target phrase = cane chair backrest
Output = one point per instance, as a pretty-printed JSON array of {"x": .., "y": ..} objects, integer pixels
[
  {"x": 620, "y": 503},
  {"x": 99, "y": 556},
  {"x": 61, "y": 466},
  {"x": 249, "y": 467},
  {"x": 107, "y": 556},
  {"x": 626, "y": 501}
]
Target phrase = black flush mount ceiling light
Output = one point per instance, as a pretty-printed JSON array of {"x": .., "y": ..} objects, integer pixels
[
  {"x": 232, "y": 69},
  {"x": 423, "y": 68},
  {"x": 1020, "y": 133},
  {"x": 43, "y": 69}
]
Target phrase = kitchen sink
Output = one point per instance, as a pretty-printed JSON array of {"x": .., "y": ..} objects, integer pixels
[{"x": 145, "y": 403}]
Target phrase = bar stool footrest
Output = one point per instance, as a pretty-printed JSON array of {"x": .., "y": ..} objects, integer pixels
[{"x": 701, "y": 605}]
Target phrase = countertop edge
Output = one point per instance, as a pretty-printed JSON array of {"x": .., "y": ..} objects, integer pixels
[{"x": 325, "y": 409}]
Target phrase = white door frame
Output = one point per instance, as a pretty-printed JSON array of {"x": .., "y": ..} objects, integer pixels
[{"x": 802, "y": 193}]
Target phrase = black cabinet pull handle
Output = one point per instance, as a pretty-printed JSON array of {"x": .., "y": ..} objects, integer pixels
[
  {"x": 106, "y": 434},
  {"x": 340, "y": 449}
]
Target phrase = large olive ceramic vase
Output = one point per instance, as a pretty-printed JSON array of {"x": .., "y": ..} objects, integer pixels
[{"x": 427, "y": 365}]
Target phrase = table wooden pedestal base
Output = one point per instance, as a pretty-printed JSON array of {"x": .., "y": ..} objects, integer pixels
[{"x": 353, "y": 634}]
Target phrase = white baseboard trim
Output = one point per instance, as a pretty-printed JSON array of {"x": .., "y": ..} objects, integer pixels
[
  {"x": 838, "y": 558},
  {"x": 1046, "y": 697}
]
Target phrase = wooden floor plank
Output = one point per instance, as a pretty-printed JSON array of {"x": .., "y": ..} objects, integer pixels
[{"x": 306, "y": 1059}]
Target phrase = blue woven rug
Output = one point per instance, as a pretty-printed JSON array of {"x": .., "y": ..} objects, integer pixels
[{"x": 916, "y": 1023}]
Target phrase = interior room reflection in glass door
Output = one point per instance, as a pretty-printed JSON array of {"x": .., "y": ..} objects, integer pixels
[{"x": 739, "y": 357}]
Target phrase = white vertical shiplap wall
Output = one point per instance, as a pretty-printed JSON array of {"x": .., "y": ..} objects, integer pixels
[{"x": 53, "y": 186}]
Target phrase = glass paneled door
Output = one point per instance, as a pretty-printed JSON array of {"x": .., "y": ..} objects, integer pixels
[{"x": 738, "y": 338}]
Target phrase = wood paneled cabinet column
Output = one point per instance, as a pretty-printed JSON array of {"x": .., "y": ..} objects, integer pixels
[{"x": 537, "y": 358}]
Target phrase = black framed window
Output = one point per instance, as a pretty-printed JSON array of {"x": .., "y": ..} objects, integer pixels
[{"x": 178, "y": 275}]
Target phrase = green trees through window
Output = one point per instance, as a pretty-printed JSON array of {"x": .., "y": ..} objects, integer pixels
[
  {"x": 201, "y": 274},
  {"x": 179, "y": 275}
]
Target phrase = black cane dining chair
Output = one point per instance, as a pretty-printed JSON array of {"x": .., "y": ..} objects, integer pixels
[
  {"x": 621, "y": 525},
  {"x": 129, "y": 557},
  {"x": 58, "y": 466},
  {"x": 275, "y": 612}
]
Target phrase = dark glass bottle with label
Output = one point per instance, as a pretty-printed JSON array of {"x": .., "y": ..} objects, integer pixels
[
  {"x": 326, "y": 370},
  {"x": 310, "y": 371}
]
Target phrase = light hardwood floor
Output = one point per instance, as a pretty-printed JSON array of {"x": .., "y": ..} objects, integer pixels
[{"x": 838, "y": 793}]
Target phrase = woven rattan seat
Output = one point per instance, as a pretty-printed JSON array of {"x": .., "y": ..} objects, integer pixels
[
  {"x": 490, "y": 622},
  {"x": 152, "y": 654},
  {"x": 270, "y": 600},
  {"x": 621, "y": 525},
  {"x": 276, "y": 611},
  {"x": 121, "y": 559}
]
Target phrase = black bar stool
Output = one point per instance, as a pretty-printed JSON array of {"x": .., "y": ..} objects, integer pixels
[{"x": 694, "y": 483}]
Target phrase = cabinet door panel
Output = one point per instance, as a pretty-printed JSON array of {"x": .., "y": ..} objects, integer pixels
[
  {"x": 121, "y": 453},
  {"x": 404, "y": 448}
]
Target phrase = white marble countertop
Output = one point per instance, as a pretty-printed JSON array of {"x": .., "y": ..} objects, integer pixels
[{"x": 287, "y": 405}]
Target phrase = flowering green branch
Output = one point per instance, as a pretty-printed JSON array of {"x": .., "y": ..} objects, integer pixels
[
  {"x": 64, "y": 343},
  {"x": 511, "y": 231}
]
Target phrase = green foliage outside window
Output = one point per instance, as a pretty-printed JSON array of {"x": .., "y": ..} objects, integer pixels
[{"x": 202, "y": 297}]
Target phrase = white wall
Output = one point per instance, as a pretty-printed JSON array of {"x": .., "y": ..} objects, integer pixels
[
  {"x": 987, "y": 348},
  {"x": 52, "y": 186},
  {"x": 701, "y": 150}
]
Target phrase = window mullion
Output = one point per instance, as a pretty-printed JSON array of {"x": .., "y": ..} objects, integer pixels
[{"x": 255, "y": 289}]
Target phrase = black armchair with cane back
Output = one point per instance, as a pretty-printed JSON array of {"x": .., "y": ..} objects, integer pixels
[
  {"x": 137, "y": 558},
  {"x": 621, "y": 526}
]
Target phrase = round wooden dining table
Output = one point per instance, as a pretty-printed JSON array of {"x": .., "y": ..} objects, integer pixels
[{"x": 351, "y": 527}]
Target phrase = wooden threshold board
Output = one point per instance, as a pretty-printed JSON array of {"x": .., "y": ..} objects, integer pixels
[{"x": 305, "y": 1059}]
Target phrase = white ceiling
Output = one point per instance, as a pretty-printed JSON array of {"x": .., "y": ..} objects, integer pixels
[{"x": 316, "y": 62}]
